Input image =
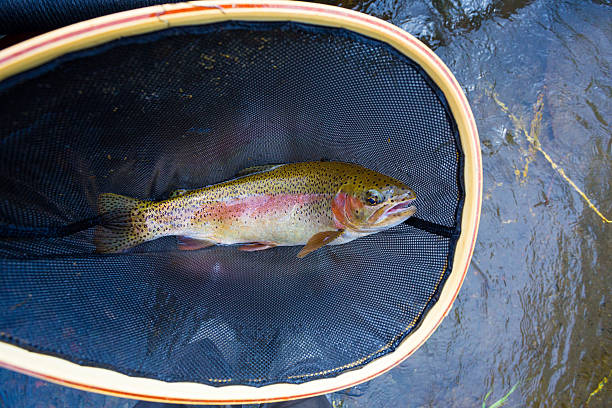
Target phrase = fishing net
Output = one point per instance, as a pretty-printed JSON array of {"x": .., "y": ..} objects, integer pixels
[{"x": 191, "y": 106}]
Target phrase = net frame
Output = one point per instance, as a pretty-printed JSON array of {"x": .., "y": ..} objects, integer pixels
[{"x": 44, "y": 48}]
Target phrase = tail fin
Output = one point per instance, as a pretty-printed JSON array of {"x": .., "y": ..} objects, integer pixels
[{"x": 120, "y": 228}]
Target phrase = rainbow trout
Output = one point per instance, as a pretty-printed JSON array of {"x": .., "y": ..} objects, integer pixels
[{"x": 311, "y": 204}]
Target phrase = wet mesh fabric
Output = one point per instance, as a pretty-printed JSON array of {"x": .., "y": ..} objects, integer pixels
[
  {"x": 192, "y": 106},
  {"x": 21, "y": 16}
]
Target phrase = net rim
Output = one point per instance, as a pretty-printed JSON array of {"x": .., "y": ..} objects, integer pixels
[{"x": 46, "y": 47}]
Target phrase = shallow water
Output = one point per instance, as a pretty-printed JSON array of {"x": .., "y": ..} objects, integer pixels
[{"x": 535, "y": 307}]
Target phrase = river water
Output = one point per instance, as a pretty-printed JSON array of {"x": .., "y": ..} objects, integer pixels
[{"x": 535, "y": 308}]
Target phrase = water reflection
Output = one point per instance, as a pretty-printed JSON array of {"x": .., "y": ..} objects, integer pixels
[{"x": 435, "y": 22}]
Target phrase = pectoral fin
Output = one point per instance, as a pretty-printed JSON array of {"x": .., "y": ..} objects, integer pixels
[
  {"x": 318, "y": 240},
  {"x": 190, "y": 244}
]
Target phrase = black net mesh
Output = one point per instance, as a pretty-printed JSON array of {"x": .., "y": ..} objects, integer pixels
[{"x": 188, "y": 107}]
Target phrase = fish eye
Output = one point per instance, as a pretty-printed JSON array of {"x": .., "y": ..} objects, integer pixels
[{"x": 373, "y": 197}]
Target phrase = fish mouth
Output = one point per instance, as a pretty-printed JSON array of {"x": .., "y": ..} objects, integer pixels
[{"x": 402, "y": 208}]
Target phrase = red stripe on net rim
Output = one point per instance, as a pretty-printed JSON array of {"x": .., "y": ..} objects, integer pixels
[{"x": 283, "y": 11}]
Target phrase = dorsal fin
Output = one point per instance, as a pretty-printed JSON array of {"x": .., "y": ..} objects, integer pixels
[
  {"x": 178, "y": 193},
  {"x": 257, "y": 169}
]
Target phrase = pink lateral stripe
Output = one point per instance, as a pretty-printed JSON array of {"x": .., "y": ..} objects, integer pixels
[{"x": 257, "y": 205}]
